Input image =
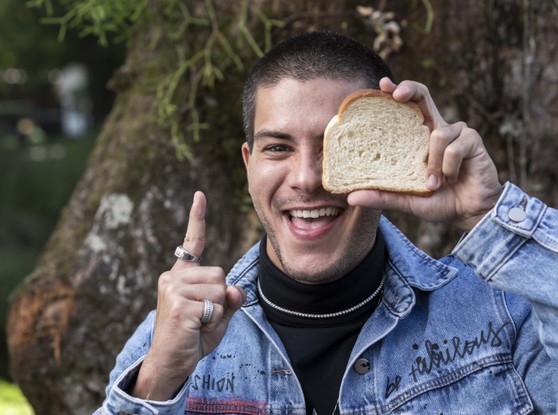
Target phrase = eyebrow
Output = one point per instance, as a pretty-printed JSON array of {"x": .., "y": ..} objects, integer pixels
[{"x": 272, "y": 134}]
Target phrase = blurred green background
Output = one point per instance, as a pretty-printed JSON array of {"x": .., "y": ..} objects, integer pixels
[{"x": 53, "y": 100}]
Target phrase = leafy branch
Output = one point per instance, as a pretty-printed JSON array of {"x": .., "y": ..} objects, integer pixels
[
  {"x": 207, "y": 63},
  {"x": 222, "y": 46},
  {"x": 100, "y": 18}
]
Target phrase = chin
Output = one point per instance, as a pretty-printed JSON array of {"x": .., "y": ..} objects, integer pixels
[{"x": 313, "y": 274}]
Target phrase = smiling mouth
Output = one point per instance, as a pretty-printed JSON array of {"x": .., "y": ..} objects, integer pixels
[{"x": 314, "y": 213}]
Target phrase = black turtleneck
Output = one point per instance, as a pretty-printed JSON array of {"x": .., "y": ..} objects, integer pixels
[{"x": 320, "y": 348}]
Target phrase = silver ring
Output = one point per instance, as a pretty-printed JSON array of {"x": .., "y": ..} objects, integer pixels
[
  {"x": 207, "y": 311},
  {"x": 184, "y": 255}
]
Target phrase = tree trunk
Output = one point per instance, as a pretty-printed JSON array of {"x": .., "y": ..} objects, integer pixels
[{"x": 97, "y": 277}]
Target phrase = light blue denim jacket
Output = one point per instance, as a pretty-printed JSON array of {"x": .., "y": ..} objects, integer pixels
[{"x": 442, "y": 340}]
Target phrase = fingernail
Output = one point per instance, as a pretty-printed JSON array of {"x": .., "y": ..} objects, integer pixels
[{"x": 432, "y": 182}]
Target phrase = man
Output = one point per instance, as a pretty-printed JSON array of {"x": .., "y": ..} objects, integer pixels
[{"x": 335, "y": 311}]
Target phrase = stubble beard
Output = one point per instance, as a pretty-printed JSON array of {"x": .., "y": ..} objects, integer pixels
[{"x": 362, "y": 242}]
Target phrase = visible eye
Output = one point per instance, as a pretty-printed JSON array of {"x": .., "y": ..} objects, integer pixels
[{"x": 277, "y": 148}]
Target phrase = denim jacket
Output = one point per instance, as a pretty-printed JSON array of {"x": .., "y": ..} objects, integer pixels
[{"x": 473, "y": 333}]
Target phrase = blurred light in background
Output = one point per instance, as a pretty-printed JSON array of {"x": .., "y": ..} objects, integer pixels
[{"x": 15, "y": 76}]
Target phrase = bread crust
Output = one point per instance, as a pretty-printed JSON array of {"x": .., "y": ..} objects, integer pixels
[
  {"x": 375, "y": 93},
  {"x": 354, "y": 96}
]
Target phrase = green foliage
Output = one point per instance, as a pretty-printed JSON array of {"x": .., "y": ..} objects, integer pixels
[
  {"x": 207, "y": 45},
  {"x": 34, "y": 50},
  {"x": 428, "y": 63},
  {"x": 12, "y": 401},
  {"x": 220, "y": 50},
  {"x": 27, "y": 45},
  {"x": 427, "y": 4},
  {"x": 100, "y": 18}
]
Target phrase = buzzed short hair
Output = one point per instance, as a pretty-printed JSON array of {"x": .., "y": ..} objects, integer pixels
[{"x": 309, "y": 56}]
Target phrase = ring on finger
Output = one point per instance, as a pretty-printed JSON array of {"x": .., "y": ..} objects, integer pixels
[
  {"x": 207, "y": 311},
  {"x": 185, "y": 255}
]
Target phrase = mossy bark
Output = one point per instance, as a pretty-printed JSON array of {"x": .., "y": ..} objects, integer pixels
[{"x": 97, "y": 277}]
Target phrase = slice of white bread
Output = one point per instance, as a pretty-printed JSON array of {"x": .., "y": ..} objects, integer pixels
[{"x": 375, "y": 142}]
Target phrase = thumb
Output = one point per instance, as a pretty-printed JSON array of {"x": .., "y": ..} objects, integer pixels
[
  {"x": 235, "y": 297},
  {"x": 369, "y": 198},
  {"x": 382, "y": 200}
]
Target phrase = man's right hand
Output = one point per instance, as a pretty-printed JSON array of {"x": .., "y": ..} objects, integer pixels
[{"x": 180, "y": 339}]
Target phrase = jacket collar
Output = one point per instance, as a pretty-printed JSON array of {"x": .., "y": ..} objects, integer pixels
[
  {"x": 406, "y": 263},
  {"x": 414, "y": 266}
]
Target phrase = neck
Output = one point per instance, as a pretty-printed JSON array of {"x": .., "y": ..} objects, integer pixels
[{"x": 331, "y": 297}]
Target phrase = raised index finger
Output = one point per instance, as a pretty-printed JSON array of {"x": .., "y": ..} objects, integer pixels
[{"x": 194, "y": 240}]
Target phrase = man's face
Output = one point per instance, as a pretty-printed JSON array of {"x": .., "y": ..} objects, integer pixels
[{"x": 313, "y": 236}]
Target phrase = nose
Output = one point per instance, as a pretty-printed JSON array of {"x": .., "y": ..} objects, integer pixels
[{"x": 306, "y": 173}]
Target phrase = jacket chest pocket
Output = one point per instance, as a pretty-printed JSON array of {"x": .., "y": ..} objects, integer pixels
[{"x": 491, "y": 387}]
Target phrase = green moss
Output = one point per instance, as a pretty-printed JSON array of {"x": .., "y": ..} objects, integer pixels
[{"x": 12, "y": 401}]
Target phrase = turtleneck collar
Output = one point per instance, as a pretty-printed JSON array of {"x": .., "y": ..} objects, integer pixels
[{"x": 325, "y": 298}]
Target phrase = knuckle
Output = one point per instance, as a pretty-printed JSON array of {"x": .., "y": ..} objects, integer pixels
[
  {"x": 217, "y": 274},
  {"x": 471, "y": 133},
  {"x": 194, "y": 238},
  {"x": 410, "y": 83},
  {"x": 453, "y": 152},
  {"x": 166, "y": 282},
  {"x": 165, "y": 278},
  {"x": 438, "y": 134},
  {"x": 421, "y": 86}
]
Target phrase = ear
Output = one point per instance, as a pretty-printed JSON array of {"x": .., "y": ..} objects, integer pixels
[{"x": 246, "y": 155}]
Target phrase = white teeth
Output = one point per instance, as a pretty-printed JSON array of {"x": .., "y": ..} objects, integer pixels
[{"x": 315, "y": 213}]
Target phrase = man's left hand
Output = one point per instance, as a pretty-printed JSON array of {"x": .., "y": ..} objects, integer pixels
[{"x": 460, "y": 172}]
